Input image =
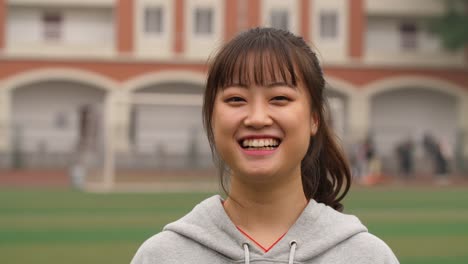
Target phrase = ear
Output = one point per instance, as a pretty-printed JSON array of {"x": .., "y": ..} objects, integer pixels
[{"x": 314, "y": 123}]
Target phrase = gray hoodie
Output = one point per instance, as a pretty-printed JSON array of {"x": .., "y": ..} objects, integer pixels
[{"x": 320, "y": 235}]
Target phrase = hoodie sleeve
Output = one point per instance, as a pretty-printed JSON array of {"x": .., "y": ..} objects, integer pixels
[
  {"x": 159, "y": 249},
  {"x": 148, "y": 252},
  {"x": 368, "y": 248},
  {"x": 388, "y": 257},
  {"x": 141, "y": 257}
]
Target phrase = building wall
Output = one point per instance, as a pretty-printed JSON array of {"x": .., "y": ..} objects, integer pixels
[
  {"x": 124, "y": 25},
  {"x": 291, "y": 8},
  {"x": 200, "y": 46},
  {"x": 73, "y": 3},
  {"x": 83, "y": 31},
  {"x": 154, "y": 45},
  {"x": 412, "y": 103},
  {"x": 331, "y": 49},
  {"x": 408, "y": 8},
  {"x": 385, "y": 43},
  {"x": 383, "y": 34},
  {"x": 3, "y": 9},
  {"x": 172, "y": 129},
  {"x": 46, "y": 116},
  {"x": 359, "y": 61}
]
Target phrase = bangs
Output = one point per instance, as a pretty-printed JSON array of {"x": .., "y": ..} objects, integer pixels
[{"x": 257, "y": 60}]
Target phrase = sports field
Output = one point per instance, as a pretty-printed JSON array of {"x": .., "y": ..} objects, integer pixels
[{"x": 422, "y": 225}]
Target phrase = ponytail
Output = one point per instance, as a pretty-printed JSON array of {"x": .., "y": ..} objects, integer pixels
[{"x": 326, "y": 176}]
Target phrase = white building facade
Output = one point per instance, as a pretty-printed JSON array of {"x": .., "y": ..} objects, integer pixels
[{"x": 71, "y": 71}]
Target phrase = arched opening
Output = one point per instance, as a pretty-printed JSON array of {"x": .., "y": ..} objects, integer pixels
[
  {"x": 52, "y": 120},
  {"x": 339, "y": 94},
  {"x": 165, "y": 136},
  {"x": 401, "y": 118},
  {"x": 337, "y": 117}
]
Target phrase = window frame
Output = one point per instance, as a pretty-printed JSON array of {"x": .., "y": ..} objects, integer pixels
[
  {"x": 52, "y": 26},
  {"x": 330, "y": 30},
  {"x": 150, "y": 28},
  {"x": 408, "y": 33},
  {"x": 283, "y": 16},
  {"x": 198, "y": 29}
]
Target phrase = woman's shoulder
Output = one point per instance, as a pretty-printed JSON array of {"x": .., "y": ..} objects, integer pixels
[
  {"x": 368, "y": 240},
  {"x": 162, "y": 240},
  {"x": 159, "y": 246},
  {"x": 366, "y": 246},
  {"x": 179, "y": 235}
]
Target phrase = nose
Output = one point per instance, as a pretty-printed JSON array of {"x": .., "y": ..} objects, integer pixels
[{"x": 258, "y": 116}]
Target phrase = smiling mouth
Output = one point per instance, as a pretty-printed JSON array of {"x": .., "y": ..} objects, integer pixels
[{"x": 260, "y": 143}]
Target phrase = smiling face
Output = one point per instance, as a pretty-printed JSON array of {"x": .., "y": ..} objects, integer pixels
[
  {"x": 262, "y": 104},
  {"x": 263, "y": 131},
  {"x": 263, "y": 111}
]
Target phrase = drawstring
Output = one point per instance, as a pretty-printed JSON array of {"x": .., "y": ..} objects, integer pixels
[
  {"x": 292, "y": 252},
  {"x": 293, "y": 245},
  {"x": 246, "y": 253}
]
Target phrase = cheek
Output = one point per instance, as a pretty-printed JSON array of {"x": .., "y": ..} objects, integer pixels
[
  {"x": 222, "y": 137},
  {"x": 218, "y": 120},
  {"x": 297, "y": 124},
  {"x": 226, "y": 118},
  {"x": 223, "y": 127},
  {"x": 298, "y": 118}
]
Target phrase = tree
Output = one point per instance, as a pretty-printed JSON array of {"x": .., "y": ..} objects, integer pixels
[{"x": 452, "y": 27}]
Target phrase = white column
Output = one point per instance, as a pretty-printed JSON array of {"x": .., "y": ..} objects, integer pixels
[
  {"x": 116, "y": 134},
  {"x": 359, "y": 116},
  {"x": 5, "y": 117},
  {"x": 463, "y": 122},
  {"x": 121, "y": 113},
  {"x": 109, "y": 150}
]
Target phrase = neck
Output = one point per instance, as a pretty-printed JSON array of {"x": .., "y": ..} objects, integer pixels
[{"x": 260, "y": 209}]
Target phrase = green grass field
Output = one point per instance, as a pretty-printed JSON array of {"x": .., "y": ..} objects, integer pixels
[{"x": 422, "y": 225}]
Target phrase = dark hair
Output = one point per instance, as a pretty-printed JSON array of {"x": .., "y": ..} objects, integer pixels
[{"x": 258, "y": 56}]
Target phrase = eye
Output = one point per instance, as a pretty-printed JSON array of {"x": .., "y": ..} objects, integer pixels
[
  {"x": 234, "y": 99},
  {"x": 281, "y": 99}
]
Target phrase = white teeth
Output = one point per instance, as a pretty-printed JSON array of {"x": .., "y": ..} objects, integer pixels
[{"x": 260, "y": 143}]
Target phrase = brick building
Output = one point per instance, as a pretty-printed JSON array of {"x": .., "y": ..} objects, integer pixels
[{"x": 70, "y": 70}]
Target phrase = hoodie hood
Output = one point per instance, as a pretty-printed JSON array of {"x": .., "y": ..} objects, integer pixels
[{"x": 317, "y": 229}]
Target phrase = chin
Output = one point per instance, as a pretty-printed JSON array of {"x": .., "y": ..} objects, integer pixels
[{"x": 258, "y": 174}]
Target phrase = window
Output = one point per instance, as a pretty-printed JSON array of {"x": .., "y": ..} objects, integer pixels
[
  {"x": 52, "y": 24},
  {"x": 203, "y": 21},
  {"x": 328, "y": 24},
  {"x": 154, "y": 17},
  {"x": 61, "y": 120},
  {"x": 280, "y": 19},
  {"x": 409, "y": 36}
]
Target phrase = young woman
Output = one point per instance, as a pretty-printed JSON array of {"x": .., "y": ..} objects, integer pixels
[{"x": 279, "y": 164}]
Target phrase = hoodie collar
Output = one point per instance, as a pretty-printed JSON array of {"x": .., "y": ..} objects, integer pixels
[{"x": 317, "y": 229}]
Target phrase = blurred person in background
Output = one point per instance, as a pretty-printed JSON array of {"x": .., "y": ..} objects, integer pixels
[
  {"x": 373, "y": 168},
  {"x": 404, "y": 152},
  {"x": 358, "y": 161},
  {"x": 435, "y": 151},
  {"x": 264, "y": 116}
]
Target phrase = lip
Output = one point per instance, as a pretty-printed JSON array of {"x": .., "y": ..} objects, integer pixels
[
  {"x": 251, "y": 152},
  {"x": 255, "y": 136},
  {"x": 258, "y": 152}
]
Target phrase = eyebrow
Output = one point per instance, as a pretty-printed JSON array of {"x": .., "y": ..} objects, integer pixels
[{"x": 276, "y": 84}]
